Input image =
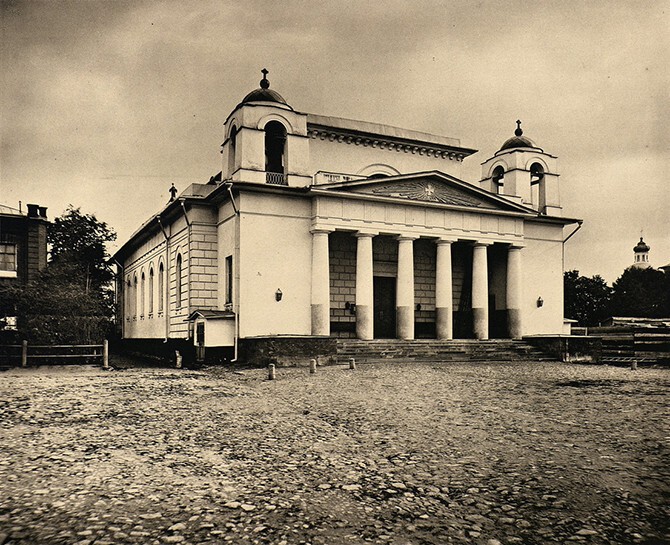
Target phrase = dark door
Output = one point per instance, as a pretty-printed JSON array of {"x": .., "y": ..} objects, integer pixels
[{"x": 384, "y": 303}]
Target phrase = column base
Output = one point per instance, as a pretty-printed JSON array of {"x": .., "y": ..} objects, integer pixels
[
  {"x": 514, "y": 323},
  {"x": 444, "y": 323},
  {"x": 364, "y": 322},
  {"x": 405, "y": 323},
  {"x": 480, "y": 320},
  {"x": 321, "y": 320}
]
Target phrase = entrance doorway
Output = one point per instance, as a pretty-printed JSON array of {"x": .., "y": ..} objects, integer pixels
[{"x": 384, "y": 307}]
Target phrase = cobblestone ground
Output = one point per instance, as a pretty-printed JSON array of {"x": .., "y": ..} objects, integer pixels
[{"x": 401, "y": 454}]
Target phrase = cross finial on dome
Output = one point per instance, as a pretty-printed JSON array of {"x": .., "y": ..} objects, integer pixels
[
  {"x": 518, "y": 131},
  {"x": 265, "y": 84}
]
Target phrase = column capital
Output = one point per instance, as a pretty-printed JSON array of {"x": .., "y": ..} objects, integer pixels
[
  {"x": 443, "y": 240},
  {"x": 320, "y": 231},
  {"x": 406, "y": 237},
  {"x": 370, "y": 234},
  {"x": 481, "y": 243},
  {"x": 516, "y": 246}
]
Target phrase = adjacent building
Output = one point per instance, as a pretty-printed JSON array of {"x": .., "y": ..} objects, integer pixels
[
  {"x": 321, "y": 227},
  {"x": 23, "y": 243}
]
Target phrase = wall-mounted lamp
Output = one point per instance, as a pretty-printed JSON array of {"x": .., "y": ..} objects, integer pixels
[
  {"x": 540, "y": 302},
  {"x": 418, "y": 306},
  {"x": 278, "y": 295},
  {"x": 351, "y": 307}
]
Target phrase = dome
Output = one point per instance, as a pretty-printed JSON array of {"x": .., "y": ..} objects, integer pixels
[
  {"x": 641, "y": 247},
  {"x": 518, "y": 140},
  {"x": 264, "y": 93}
]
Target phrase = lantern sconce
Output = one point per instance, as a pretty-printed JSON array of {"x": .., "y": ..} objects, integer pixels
[
  {"x": 278, "y": 295},
  {"x": 540, "y": 302},
  {"x": 418, "y": 306},
  {"x": 351, "y": 307}
]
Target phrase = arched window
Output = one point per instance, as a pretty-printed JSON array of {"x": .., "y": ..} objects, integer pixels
[
  {"x": 232, "y": 144},
  {"x": 142, "y": 294},
  {"x": 275, "y": 145},
  {"x": 129, "y": 298},
  {"x": 135, "y": 294},
  {"x": 498, "y": 178},
  {"x": 178, "y": 280},
  {"x": 151, "y": 290},
  {"x": 161, "y": 287}
]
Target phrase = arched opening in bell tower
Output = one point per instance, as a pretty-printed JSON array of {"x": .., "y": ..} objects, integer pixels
[{"x": 275, "y": 152}]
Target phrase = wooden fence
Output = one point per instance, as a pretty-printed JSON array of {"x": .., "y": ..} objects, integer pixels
[{"x": 63, "y": 354}]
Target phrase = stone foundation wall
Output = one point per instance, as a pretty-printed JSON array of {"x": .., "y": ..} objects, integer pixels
[
  {"x": 287, "y": 351},
  {"x": 568, "y": 348}
]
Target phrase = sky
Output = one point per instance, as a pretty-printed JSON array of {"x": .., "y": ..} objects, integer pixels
[{"x": 105, "y": 103}]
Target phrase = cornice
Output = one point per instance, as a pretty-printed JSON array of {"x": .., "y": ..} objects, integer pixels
[{"x": 353, "y": 137}]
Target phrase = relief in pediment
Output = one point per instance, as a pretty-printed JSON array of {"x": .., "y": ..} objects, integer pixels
[{"x": 428, "y": 191}]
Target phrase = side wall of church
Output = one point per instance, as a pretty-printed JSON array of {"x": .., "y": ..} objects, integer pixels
[
  {"x": 344, "y": 158},
  {"x": 542, "y": 276},
  {"x": 204, "y": 270},
  {"x": 275, "y": 254}
]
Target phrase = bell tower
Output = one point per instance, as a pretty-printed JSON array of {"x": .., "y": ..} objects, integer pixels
[
  {"x": 265, "y": 141},
  {"x": 524, "y": 173}
]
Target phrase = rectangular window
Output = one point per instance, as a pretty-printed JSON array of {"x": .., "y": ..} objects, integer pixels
[
  {"x": 7, "y": 259},
  {"x": 229, "y": 279}
]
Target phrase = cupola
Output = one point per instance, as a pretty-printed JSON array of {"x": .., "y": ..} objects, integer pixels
[{"x": 264, "y": 93}]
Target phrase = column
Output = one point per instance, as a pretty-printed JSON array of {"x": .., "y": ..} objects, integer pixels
[
  {"x": 320, "y": 298},
  {"x": 514, "y": 292},
  {"x": 480, "y": 291},
  {"x": 405, "y": 289},
  {"x": 444, "y": 315},
  {"x": 364, "y": 287}
]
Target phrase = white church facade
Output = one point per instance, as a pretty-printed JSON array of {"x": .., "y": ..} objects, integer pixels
[{"x": 320, "y": 227}]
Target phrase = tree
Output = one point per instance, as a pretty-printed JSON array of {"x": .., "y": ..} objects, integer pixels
[
  {"x": 78, "y": 242},
  {"x": 643, "y": 293},
  {"x": 587, "y": 300},
  {"x": 72, "y": 299}
]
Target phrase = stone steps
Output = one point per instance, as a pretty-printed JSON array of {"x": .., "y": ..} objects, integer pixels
[{"x": 434, "y": 350}]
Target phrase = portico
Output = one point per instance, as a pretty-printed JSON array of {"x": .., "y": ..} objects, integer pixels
[{"x": 352, "y": 270}]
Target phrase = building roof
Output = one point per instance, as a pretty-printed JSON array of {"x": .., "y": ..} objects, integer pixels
[
  {"x": 9, "y": 211},
  {"x": 377, "y": 131}
]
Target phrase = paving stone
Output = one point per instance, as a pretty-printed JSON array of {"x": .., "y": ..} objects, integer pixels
[{"x": 419, "y": 453}]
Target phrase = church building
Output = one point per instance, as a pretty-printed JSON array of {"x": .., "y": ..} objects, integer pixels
[{"x": 320, "y": 228}]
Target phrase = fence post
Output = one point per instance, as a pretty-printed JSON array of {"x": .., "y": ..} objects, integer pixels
[
  {"x": 271, "y": 371},
  {"x": 352, "y": 363},
  {"x": 105, "y": 354},
  {"x": 312, "y": 366},
  {"x": 178, "y": 359}
]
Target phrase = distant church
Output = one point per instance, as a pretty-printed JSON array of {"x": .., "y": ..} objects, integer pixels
[
  {"x": 641, "y": 257},
  {"x": 321, "y": 227}
]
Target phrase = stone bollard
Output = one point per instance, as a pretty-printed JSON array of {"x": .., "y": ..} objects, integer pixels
[
  {"x": 312, "y": 367},
  {"x": 105, "y": 355},
  {"x": 352, "y": 363},
  {"x": 633, "y": 365},
  {"x": 271, "y": 371},
  {"x": 177, "y": 359},
  {"x": 24, "y": 354}
]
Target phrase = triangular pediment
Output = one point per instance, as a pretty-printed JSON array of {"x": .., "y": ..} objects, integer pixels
[{"x": 428, "y": 187}]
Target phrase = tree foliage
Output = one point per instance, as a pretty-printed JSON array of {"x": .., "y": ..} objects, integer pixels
[
  {"x": 587, "y": 300},
  {"x": 643, "y": 293},
  {"x": 72, "y": 299},
  {"x": 78, "y": 244}
]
